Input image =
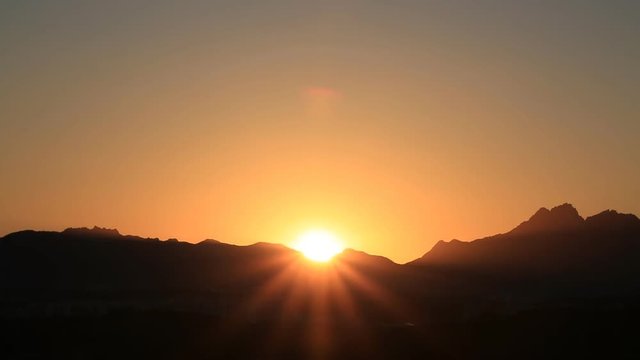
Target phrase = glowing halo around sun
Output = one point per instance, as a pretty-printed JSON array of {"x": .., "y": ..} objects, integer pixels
[{"x": 318, "y": 245}]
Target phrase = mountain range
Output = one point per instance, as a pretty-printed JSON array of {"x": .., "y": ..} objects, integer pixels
[
  {"x": 555, "y": 247},
  {"x": 554, "y": 261}
]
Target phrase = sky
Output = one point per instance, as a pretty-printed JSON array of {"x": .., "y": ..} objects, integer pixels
[{"x": 393, "y": 124}]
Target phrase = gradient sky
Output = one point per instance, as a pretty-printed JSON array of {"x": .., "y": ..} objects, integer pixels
[{"x": 393, "y": 124}]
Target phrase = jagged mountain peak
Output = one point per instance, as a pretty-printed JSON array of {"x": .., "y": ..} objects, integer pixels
[
  {"x": 559, "y": 218},
  {"x": 557, "y": 237},
  {"x": 96, "y": 231}
]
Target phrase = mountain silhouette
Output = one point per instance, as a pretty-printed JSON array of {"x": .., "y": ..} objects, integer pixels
[
  {"x": 555, "y": 249},
  {"x": 556, "y": 278},
  {"x": 554, "y": 246},
  {"x": 559, "y": 219},
  {"x": 82, "y": 260}
]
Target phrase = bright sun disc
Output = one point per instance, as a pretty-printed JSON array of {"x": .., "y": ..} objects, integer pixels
[{"x": 318, "y": 245}]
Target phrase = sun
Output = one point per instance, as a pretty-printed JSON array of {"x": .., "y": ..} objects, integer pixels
[{"x": 318, "y": 245}]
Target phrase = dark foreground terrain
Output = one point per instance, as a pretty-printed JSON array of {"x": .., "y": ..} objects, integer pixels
[
  {"x": 551, "y": 334},
  {"x": 558, "y": 286}
]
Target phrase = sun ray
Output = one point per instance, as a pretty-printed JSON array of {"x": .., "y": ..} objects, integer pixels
[{"x": 382, "y": 298}]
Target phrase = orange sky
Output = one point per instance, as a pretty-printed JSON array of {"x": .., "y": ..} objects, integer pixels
[{"x": 392, "y": 125}]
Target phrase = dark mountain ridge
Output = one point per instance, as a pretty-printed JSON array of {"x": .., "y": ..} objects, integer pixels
[
  {"x": 553, "y": 244},
  {"x": 548, "y": 287},
  {"x": 556, "y": 249},
  {"x": 560, "y": 222}
]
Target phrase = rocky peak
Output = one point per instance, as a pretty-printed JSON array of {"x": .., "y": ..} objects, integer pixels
[
  {"x": 560, "y": 218},
  {"x": 94, "y": 232}
]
